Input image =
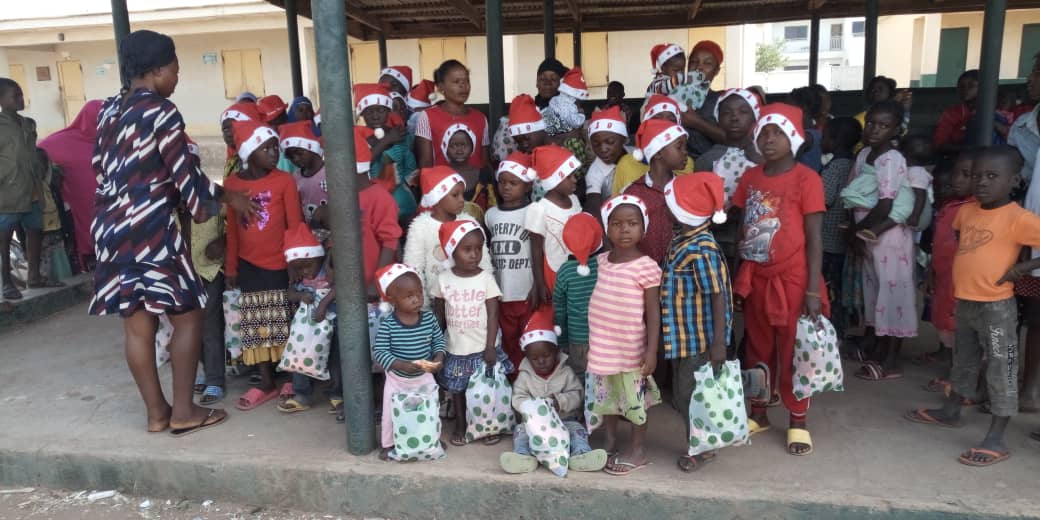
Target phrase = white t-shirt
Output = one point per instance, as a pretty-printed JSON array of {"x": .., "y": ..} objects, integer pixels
[
  {"x": 547, "y": 219},
  {"x": 510, "y": 252},
  {"x": 422, "y": 250},
  {"x": 600, "y": 178},
  {"x": 465, "y": 309}
]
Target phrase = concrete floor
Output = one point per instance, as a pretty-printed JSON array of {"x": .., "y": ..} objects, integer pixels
[{"x": 68, "y": 393}]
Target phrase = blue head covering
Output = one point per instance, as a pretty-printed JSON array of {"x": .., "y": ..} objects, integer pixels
[{"x": 291, "y": 113}]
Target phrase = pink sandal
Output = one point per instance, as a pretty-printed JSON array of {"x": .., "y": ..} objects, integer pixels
[{"x": 255, "y": 397}]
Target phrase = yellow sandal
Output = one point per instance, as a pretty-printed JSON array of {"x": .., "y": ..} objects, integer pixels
[
  {"x": 754, "y": 427},
  {"x": 799, "y": 436}
]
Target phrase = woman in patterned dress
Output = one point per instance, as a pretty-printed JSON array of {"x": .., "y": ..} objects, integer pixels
[{"x": 143, "y": 267}]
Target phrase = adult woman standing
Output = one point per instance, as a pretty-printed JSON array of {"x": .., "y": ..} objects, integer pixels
[
  {"x": 452, "y": 79},
  {"x": 143, "y": 270}
]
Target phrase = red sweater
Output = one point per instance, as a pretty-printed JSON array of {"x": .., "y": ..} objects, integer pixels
[
  {"x": 379, "y": 227},
  {"x": 260, "y": 242}
]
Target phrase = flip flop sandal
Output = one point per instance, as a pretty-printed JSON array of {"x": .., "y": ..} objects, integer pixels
[
  {"x": 12, "y": 293},
  {"x": 799, "y": 436},
  {"x": 968, "y": 457},
  {"x": 689, "y": 464},
  {"x": 874, "y": 372},
  {"x": 921, "y": 416},
  {"x": 211, "y": 395},
  {"x": 181, "y": 432},
  {"x": 774, "y": 401},
  {"x": 492, "y": 440},
  {"x": 255, "y": 397},
  {"x": 292, "y": 406},
  {"x": 458, "y": 441},
  {"x": 631, "y": 468},
  {"x": 594, "y": 460},
  {"x": 755, "y": 428},
  {"x": 517, "y": 464},
  {"x": 335, "y": 406},
  {"x": 936, "y": 385}
]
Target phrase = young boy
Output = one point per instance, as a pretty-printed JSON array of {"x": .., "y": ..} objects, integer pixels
[
  {"x": 393, "y": 164},
  {"x": 556, "y": 169},
  {"x": 583, "y": 237},
  {"x": 663, "y": 145},
  {"x": 992, "y": 232},
  {"x": 607, "y": 135},
  {"x": 304, "y": 150}
]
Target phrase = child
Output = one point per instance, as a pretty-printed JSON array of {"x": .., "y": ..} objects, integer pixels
[
  {"x": 669, "y": 62},
  {"x": 663, "y": 146},
  {"x": 583, "y": 237},
  {"x": 304, "y": 150},
  {"x": 616, "y": 98},
  {"x": 398, "y": 78},
  {"x": 917, "y": 149},
  {"x": 526, "y": 130},
  {"x": 607, "y": 136},
  {"x": 624, "y": 333},
  {"x": 410, "y": 343},
  {"x": 545, "y": 374},
  {"x": 840, "y": 137},
  {"x": 511, "y": 249},
  {"x": 255, "y": 260},
  {"x": 545, "y": 218},
  {"x": 781, "y": 251},
  {"x": 419, "y": 99},
  {"x": 442, "y": 199},
  {"x": 992, "y": 232},
  {"x": 466, "y": 300},
  {"x": 629, "y": 169},
  {"x": 393, "y": 164},
  {"x": 564, "y": 114},
  {"x": 458, "y": 145},
  {"x": 889, "y": 291}
]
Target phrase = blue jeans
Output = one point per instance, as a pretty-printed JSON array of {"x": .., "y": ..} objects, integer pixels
[
  {"x": 579, "y": 439},
  {"x": 303, "y": 386}
]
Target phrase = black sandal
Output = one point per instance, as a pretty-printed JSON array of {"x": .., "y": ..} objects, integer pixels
[{"x": 12, "y": 293}]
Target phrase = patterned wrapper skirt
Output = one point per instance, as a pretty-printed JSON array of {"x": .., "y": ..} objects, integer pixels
[
  {"x": 454, "y": 377},
  {"x": 266, "y": 313}
]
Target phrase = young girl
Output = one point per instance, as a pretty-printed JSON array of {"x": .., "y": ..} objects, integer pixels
[
  {"x": 393, "y": 164},
  {"x": 663, "y": 146},
  {"x": 545, "y": 218},
  {"x": 443, "y": 202},
  {"x": 607, "y": 135},
  {"x": 889, "y": 292},
  {"x": 781, "y": 251},
  {"x": 452, "y": 79},
  {"x": 466, "y": 300},
  {"x": 255, "y": 261},
  {"x": 511, "y": 249},
  {"x": 629, "y": 169},
  {"x": 304, "y": 150},
  {"x": 668, "y": 61},
  {"x": 458, "y": 146},
  {"x": 624, "y": 332}
]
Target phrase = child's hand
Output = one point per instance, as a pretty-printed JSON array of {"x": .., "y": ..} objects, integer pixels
[
  {"x": 231, "y": 281},
  {"x": 215, "y": 250},
  {"x": 321, "y": 312},
  {"x": 490, "y": 356},
  {"x": 555, "y": 404},
  {"x": 717, "y": 354},
  {"x": 811, "y": 307},
  {"x": 307, "y": 298},
  {"x": 394, "y": 135},
  {"x": 649, "y": 363},
  {"x": 1014, "y": 274},
  {"x": 242, "y": 204}
]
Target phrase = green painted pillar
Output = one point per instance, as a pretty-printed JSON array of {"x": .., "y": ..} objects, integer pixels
[
  {"x": 989, "y": 71},
  {"x": 549, "y": 28},
  {"x": 870, "y": 41},
  {"x": 496, "y": 69},
  {"x": 814, "y": 49},
  {"x": 384, "y": 60},
  {"x": 337, "y": 126},
  {"x": 121, "y": 25},
  {"x": 293, "y": 29}
]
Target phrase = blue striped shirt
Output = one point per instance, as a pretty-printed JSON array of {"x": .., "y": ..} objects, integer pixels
[
  {"x": 397, "y": 341},
  {"x": 694, "y": 270}
]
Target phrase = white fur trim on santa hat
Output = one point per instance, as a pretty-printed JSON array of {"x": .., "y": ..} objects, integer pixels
[
  {"x": 234, "y": 115},
  {"x": 608, "y": 125},
  {"x": 311, "y": 145},
  {"x": 300, "y": 253},
  {"x": 658, "y": 143},
  {"x": 454, "y": 129},
  {"x": 612, "y": 204},
  {"x": 372, "y": 100},
  {"x": 535, "y": 336},
  {"x": 457, "y": 235},
  {"x": 748, "y": 96},
  {"x": 260, "y": 136},
  {"x": 664, "y": 106},
  {"x": 526, "y": 128},
  {"x": 668, "y": 53},
  {"x": 442, "y": 188},
  {"x": 681, "y": 214},
  {"x": 785, "y": 124},
  {"x": 416, "y": 104},
  {"x": 396, "y": 74},
  {"x": 395, "y": 272},
  {"x": 518, "y": 170},
  {"x": 573, "y": 92},
  {"x": 562, "y": 172}
]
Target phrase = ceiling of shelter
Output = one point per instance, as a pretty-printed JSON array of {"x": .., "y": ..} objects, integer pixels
[{"x": 429, "y": 18}]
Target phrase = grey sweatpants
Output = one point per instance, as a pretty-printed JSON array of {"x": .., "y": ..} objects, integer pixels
[{"x": 989, "y": 328}]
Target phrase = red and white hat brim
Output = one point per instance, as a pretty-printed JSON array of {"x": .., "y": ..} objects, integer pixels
[
  {"x": 441, "y": 189},
  {"x": 785, "y": 124},
  {"x": 660, "y": 141},
  {"x": 395, "y": 272},
  {"x": 260, "y": 136},
  {"x": 535, "y": 336},
  {"x": 454, "y": 129},
  {"x": 748, "y": 96},
  {"x": 310, "y": 145},
  {"x": 668, "y": 53},
  {"x": 372, "y": 100},
  {"x": 396, "y": 74},
  {"x": 573, "y": 92},
  {"x": 613, "y": 126},
  {"x": 418, "y": 103},
  {"x": 457, "y": 235},
  {"x": 233, "y": 115},
  {"x": 516, "y": 169},
  {"x": 674, "y": 107},
  {"x": 680, "y": 213},
  {"x": 612, "y": 204},
  {"x": 561, "y": 172},
  {"x": 526, "y": 127},
  {"x": 300, "y": 253}
]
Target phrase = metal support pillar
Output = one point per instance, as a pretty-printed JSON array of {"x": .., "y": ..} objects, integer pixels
[
  {"x": 384, "y": 60},
  {"x": 989, "y": 71},
  {"x": 121, "y": 25},
  {"x": 549, "y": 28},
  {"x": 576, "y": 36},
  {"x": 814, "y": 49},
  {"x": 496, "y": 69},
  {"x": 337, "y": 126},
  {"x": 294, "y": 47},
  {"x": 870, "y": 41}
]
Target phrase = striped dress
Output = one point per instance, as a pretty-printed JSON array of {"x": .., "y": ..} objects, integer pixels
[
  {"x": 144, "y": 171},
  {"x": 617, "y": 330}
]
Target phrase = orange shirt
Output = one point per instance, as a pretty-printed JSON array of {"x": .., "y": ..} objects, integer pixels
[{"x": 988, "y": 246}]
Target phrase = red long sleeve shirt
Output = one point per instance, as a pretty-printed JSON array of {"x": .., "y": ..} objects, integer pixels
[{"x": 260, "y": 242}]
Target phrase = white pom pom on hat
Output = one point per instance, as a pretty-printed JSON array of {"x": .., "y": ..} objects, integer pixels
[
  {"x": 637, "y": 154},
  {"x": 379, "y": 133},
  {"x": 557, "y": 330},
  {"x": 385, "y": 307},
  {"x": 583, "y": 270},
  {"x": 719, "y": 217}
]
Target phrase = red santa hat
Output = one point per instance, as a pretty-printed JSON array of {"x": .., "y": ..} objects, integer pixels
[
  {"x": 608, "y": 120},
  {"x": 524, "y": 117},
  {"x": 271, "y": 107},
  {"x": 696, "y": 197},
  {"x": 653, "y": 135},
  {"x": 553, "y": 164},
  {"x": 385, "y": 277},
  {"x": 249, "y": 135},
  {"x": 539, "y": 328},
  {"x": 419, "y": 96},
  {"x": 401, "y": 73},
  {"x": 573, "y": 84},
  {"x": 370, "y": 95},
  {"x": 299, "y": 135},
  {"x": 788, "y": 118},
  {"x": 749, "y": 96},
  {"x": 659, "y": 103},
  {"x": 609, "y": 206},
  {"x": 241, "y": 111},
  {"x": 362, "y": 151},
  {"x": 454, "y": 129},
  {"x": 436, "y": 182},
  {"x": 299, "y": 243},
  {"x": 663, "y": 52},
  {"x": 582, "y": 236},
  {"x": 451, "y": 233},
  {"x": 519, "y": 165}
]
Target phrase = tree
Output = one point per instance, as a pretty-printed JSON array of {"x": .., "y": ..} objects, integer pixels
[{"x": 770, "y": 56}]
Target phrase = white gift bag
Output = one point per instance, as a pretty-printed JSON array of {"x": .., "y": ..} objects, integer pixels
[
  {"x": 163, "y": 337},
  {"x": 417, "y": 425},
  {"x": 488, "y": 403},
  {"x": 232, "y": 323},
  {"x": 817, "y": 361},
  {"x": 550, "y": 442},
  {"x": 718, "y": 417},
  {"x": 307, "y": 351}
]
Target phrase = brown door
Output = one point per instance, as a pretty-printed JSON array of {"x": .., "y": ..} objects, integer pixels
[{"x": 70, "y": 75}]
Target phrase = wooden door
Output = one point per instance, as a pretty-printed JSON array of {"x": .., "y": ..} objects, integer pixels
[
  {"x": 953, "y": 56},
  {"x": 70, "y": 77}
]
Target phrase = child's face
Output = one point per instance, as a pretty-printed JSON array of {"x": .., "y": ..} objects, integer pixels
[
  {"x": 306, "y": 268},
  {"x": 736, "y": 117},
  {"x": 968, "y": 89},
  {"x": 608, "y": 146},
  {"x": 460, "y": 148},
  {"x": 453, "y": 203},
  {"x": 469, "y": 252},
  {"x": 944, "y": 186},
  {"x": 542, "y": 356},
  {"x": 393, "y": 84},
  {"x": 375, "y": 116},
  {"x": 455, "y": 86},
  {"x": 302, "y": 159},
  {"x": 881, "y": 128},
  {"x": 227, "y": 132},
  {"x": 994, "y": 180},
  {"x": 673, "y": 156},
  {"x": 879, "y": 92},
  {"x": 615, "y": 93},
  {"x": 12, "y": 100},
  {"x": 625, "y": 226},
  {"x": 674, "y": 65},
  {"x": 406, "y": 294},
  {"x": 667, "y": 116},
  {"x": 567, "y": 186},
  {"x": 706, "y": 63},
  {"x": 774, "y": 144},
  {"x": 303, "y": 112},
  {"x": 917, "y": 152},
  {"x": 527, "y": 142},
  {"x": 511, "y": 188},
  {"x": 265, "y": 158},
  {"x": 961, "y": 183}
]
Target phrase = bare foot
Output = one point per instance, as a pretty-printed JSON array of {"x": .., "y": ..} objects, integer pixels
[
  {"x": 384, "y": 454},
  {"x": 159, "y": 421}
]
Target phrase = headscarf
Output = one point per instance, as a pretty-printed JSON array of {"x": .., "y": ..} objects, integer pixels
[{"x": 291, "y": 113}]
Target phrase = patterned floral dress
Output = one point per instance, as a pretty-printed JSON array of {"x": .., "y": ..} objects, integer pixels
[{"x": 144, "y": 171}]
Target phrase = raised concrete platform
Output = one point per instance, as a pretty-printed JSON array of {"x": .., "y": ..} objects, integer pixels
[
  {"x": 37, "y": 304},
  {"x": 70, "y": 417}
]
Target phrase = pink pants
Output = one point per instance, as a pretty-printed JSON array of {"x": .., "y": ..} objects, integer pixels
[{"x": 396, "y": 384}]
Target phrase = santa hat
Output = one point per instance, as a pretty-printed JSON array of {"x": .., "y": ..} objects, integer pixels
[
  {"x": 659, "y": 103},
  {"x": 401, "y": 73},
  {"x": 362, "y": 151},
  {"x": 749, "y": 96},
  {"x": 519, "y": 165},
  {"x": 300, "y": 243},
  {"x": 454, "y": 129},
  {"x": 582, "y": 236},
  {"x": 653, "y": 135},
  {"x": 436, "y": 182},
  {"x": 553, "y": 164},
  {"x": 241, "y": 111},
  {"x": 451, "y": 233},
  {"x": 385, "y": 277},
  {"x": 419, "y": 97},
  {"x": 299, "y": 135},
  {"x": 788, "y": 118},
  {"x": 608, "y": 120},
  {"x": 573, "y": 84},
  {"x": 249, "y": 135},
  {"x": 711, "y": 48},
  {"x": 609, "y": 206},
  {"x": 663, "y": 52},
  {"x": 695, "y": 198},
  {"x": 524, "y": 117},
  {"x": 539, "y": 328},
  {"x": 271, "y": 107},
  {"x": 370, "y": 95}
]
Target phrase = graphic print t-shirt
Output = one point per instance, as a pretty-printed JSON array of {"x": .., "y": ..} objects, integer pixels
[
  {"x": 989, "y": 244},
  {"x": 774, "y": 208},
  {"x": 465, "y": 309},
  {"x": 510, "y": 252}
]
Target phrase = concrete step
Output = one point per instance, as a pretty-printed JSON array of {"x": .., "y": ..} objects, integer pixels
[{"x": 37, "y": 304}]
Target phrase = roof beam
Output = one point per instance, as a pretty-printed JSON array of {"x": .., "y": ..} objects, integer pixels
[
  {"x": 467, "y": 11},
  {"x": 695, "y": 8},
  {"x": 355, "y": 11},
  {"x": 816, "y": 4},
  {"x": 572, "y": 6}
]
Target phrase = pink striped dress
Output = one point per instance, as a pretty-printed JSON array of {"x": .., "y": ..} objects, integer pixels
[{"x": 617, "y": 331}]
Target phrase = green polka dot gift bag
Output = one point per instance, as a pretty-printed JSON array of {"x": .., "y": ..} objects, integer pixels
[
  {"x": 718, "y": 417},
  {"x": 488, "y": 408},
  {"x": 163, "y": 337},
  {"x": 550, "y": 442},
  {"x": 307, "y": 351},
  {"x": 232, "y": 323},
  {"x": 691, "y": 91},
  {"x": 817, "y": 362},
  {"x": 417, "y": 425}
]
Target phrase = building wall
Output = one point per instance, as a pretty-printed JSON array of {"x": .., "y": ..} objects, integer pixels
[{"x": 1011, "y": 44}]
